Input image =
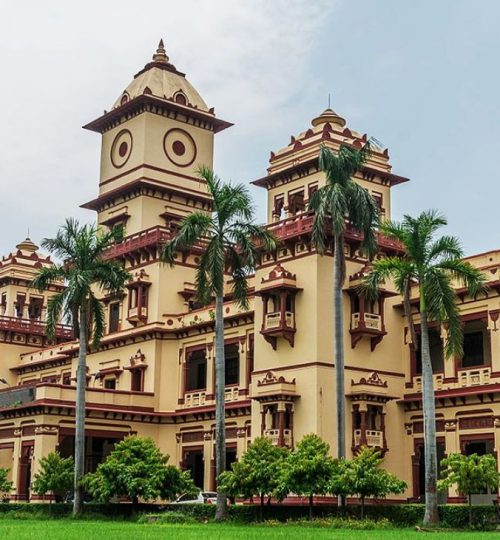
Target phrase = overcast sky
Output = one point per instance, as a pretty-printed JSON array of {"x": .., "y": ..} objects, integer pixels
[{"x": 422, "y": 77}]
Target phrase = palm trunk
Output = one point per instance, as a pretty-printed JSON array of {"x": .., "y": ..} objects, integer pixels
[
  {"x": 261, "y": 511},
  {"x": 81, "y": 383},
  {"x": 310, "y": 506},
  {"x": 363, "y": 507},
  {"x": 220, "y": 412},
  {"x": 469, "y": 497},
  {"x": 338, "y": 321},
  {"x": 431, "y": 515}
]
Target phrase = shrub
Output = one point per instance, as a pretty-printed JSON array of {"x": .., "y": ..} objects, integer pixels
[{"x": 168, "y": 517}]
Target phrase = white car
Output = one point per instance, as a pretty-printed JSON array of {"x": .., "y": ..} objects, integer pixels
[{"x": 204, "y": 497}]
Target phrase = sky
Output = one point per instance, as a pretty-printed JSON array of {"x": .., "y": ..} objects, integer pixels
[{"x": 422, "y": 77}]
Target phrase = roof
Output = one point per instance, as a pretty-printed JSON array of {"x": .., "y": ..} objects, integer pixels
[{"x": 160, "y": 78}]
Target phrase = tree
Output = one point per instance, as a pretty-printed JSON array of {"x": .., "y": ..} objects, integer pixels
[
  {"x": 84, "y": 270},
  {"x": 470, "y": 473},
  {"x": 137, "y": 469},
  {"x": 342, "y": 202},
  {"x": 229, "y": 239},
  {"x": 308, "y": 469},
  {"x": 364, "y": 477},
  {"x": 5, "y": 485},
  {"x": 55, "y": 475},
  {"x": 434, "y": 267},
  {"x": 256, "y": 473}
]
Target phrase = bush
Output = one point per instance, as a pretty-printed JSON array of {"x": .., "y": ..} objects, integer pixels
[{"x": 168, "y": 517}]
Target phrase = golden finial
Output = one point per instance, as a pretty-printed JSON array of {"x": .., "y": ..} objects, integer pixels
[{"x": 160, "y": 55}]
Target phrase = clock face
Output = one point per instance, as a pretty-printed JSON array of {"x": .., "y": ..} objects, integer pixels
[
  {"x": 179, "y": 147},
  {"x": 121, "y": 148}
]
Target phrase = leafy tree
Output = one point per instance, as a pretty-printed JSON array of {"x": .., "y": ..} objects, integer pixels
[
  {"x": 342, "y": 202},
  {"x": 85, "y": 271},
  {"x": 229, "y": 237},
  {"x": 256, "y": 473},
  {"x": 55, "y": 475},
  {"x": 364, "y": 477},
  {"x": 308, "y": 469},
  {"x": 470, "y": 473},
  {"x": 434, "y": 267},
  {"x": 5, "y": 485},
  {"x": 137, "y": 469}
]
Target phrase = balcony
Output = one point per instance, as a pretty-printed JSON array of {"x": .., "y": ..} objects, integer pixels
[
  {"x": 474, "y": 377},
  {"x": 97, "y": 398},
  {"x": 274, "y": 320},
  {"x": 64, "y": 332},
  {"x": 373, "y": 437},
  {"x": 137, "y": 314},
  {"x": 302, "y": 224},
  {"x": 370, "y": 321},
  {"x": 366, "y": 324},
  {"x": 273, "y": 434},
  {"x": 149, "y": 238},
  {"x": 276, "y": 324}
]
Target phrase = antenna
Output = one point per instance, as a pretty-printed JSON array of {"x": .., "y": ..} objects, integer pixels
[{"x": 329, "y": 100}]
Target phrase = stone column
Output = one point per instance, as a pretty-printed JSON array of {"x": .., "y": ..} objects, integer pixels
[
  {"x": 210, "y": 356},
  {"x": 263, "y": 419},
  {"x": 451, "y": 446},
  {"x": 494, "y": 333},
  {"x": 242, "y": 383},
  {"x": 241, "y": 441},
  {"x": 15, "y": 461},
  {"x": 281, "y": 424},
  {"x": 208, "y": 458},
  {"x": 45, "y": 443},
  {"x": 362, "y": 426}
]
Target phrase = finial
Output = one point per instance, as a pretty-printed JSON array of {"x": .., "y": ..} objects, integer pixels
[
  {"x": 329, "y": 100},
  {"x": 160, "y": 55}
]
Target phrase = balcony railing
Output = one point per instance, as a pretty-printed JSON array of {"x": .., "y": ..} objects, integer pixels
[
  {"x": 231, "y": 393},
  {"x": 303, "y": 224},
  {"x": 373, "y": 437},
  {"x": 149, "y": 237},
  {"x": 136, "y": 314},
  {"x": 474, "y": 377},
  {"x": 370, "y": 321},
  {"x": 438, "y": 382},
  {"x": 273, "y": 434},
  {"x": 273, "y": 320},
  {"x": 195, "y": 399},
  {"x": 31, "y": 326}
]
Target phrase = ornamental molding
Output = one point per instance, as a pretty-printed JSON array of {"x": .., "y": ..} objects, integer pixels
[{"x": 271, "y": 378}]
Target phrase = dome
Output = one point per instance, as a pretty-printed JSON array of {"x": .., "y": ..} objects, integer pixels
[{"x": 161, "y": 79}]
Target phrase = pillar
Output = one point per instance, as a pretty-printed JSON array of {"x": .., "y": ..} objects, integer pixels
[
  {"x": 242, "y": 377},
  {"x": 46, "y": 438},
  {"x": 210, "y": 356},
  {"x": 451, "y": 446},
  {"x": 281, "y": 424},
  {"x": 208, "y": 460},
  {"x": 362, "y": 426},
  {"x": 263, "y": 420}
]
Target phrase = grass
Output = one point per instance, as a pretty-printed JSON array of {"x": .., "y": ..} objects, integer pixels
[{"x": 67, "y": 529}]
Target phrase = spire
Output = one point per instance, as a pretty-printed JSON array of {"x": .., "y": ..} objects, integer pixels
[
  {"x": 328, "y": 115},
  {"x": 160, "y": 55}
]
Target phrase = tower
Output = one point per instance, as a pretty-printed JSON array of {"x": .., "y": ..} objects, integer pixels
[{"x": 158, "y": 132}]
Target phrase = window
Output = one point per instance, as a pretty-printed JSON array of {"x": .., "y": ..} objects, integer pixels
[
  {"x": 196, "y": 371},
  {"x": 66, "y": 378},
  {"x": 296, "y": 203},
  {"x": 35, "y": 308},
  {"x": 20, "y": 301},
  {"x": 436, "y": 350},
  {"x": 136, "y": 383},
  {"x": 114, "y": 317},
  {"x": 110, "y": 383},
  {"x": 476, "y": 344},
  {"x": 232, "y": 358},
  {"x": 278, "y": 210}
]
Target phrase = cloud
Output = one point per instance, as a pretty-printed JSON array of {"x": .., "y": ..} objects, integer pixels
[{"x": 63, "y": 63}]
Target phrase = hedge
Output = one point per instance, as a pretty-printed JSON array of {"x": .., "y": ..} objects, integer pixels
[{"x": 401, "y": 515}]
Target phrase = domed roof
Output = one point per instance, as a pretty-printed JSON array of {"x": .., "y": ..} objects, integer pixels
[{"x": 161, "y": 79}]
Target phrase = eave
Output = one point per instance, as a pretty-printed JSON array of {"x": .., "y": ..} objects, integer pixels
[{"x": 140, "y": 104}]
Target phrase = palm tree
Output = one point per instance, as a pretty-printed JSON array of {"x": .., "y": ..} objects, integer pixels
[
  {"x": 229, "y": 239},
  {"x": 342, "y": 202},
  {"x": 84, "y": 271},
  {"x": 435, "y": 267}
]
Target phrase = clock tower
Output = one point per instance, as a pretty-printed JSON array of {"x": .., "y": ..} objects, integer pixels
[{"x": 156, "y": 135}]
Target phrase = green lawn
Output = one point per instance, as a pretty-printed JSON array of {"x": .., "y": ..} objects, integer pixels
[{"x": 110, "y": 530}]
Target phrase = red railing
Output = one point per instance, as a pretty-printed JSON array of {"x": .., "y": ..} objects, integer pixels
[
  {"x": 29, "y": 326},
  {"x": 149, "y": 237},
  {"x": 303, "y": 224}
]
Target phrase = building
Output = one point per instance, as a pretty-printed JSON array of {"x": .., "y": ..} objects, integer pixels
[{"x": 153, "y": 374}]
